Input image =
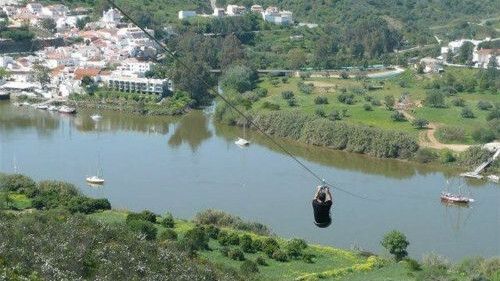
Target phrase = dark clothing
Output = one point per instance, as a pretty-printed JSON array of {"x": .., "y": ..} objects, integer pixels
[{"x": 322, "y": 212}]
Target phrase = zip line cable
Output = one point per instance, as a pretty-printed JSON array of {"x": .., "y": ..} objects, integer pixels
[{"x": 248, "y": 119}]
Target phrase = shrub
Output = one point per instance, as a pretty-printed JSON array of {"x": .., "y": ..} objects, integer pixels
[
  {"x": 222, "y": 219},
  {"x": 17, "y": 183},
  {"x": 434, "y": 99},
  {"x": 425, "y": 155},
  {"x": 145, "y": 215},
  {"x": 346, "y": 98},
  {"x": 451, "y": 134},
  {"x": 212, "y": 231},
  {"x": 270, "y": 105},
  {"x": 435, "y": 261},
  {"x": 308, "y": 258},
  {"x": 257, "y": 245},
  {"x": 195, "y": 239},
  {"x": 398, "y": 116},
  {"x": 167, "y": 220},
  {"x": 86, "y": 205},
  {"x": 320, "y": 112},
  {"x": 335, "y": 115},
  {"x": 376, "y": 102},
  {"x": 236, "y": 254},
  {"x": 483, "y": 135},
  {"x": 420, "y": 123},
  {"x": 291, "y": 102},
  {"x": 260, "y": 92},
  {"x": 167, "y": 234},
  {"x": 305, "y": 88},
  {"x": 484, "y": 105},
  {"x": 494, "y": 114},
  {"x": 249, "y": 267},
  {"x": 223, "y": 238},
  {"x": 224, "y": 251},
  {"x": 62, "y": 189},
  {"x": 446, "y": 156},
  {"x": 261, "y": 261},
  {"x": 233, "y": 238},
  {"x": 367, "y": 107},
  {"x": 295, "y": 247},
  {"x": 460, "y": 102},
  {"x": 143, "y": 227},
  {"x": 474, "y": 156},
  {"x": 246, "y": 244},
  {"x": 280, "y": 256},
  {"x": 344, "y": 74},
  {"x": 320, "y": 100},
  {"x": 287, "y": 95},
  {"x": 412, "y": 264},
  {"x": 269, "y": 246},
  {"x": 284, "y": 80},
  {"x": 467, "y": 113},
  {"x": 389, "y": 102},
  {"x": 396, "y": 243}
]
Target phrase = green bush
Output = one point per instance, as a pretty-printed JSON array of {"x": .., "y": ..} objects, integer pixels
[
  {"x": 308, "y": 258},
  {"x": 212, "y": 231},
  {"x": 483, "y": 135},
  {"x": 143, "y": 227},
  {"x": 269, "y": 246},
  {"x": 306, "y": 88},
  {"x": 246, "y": 244},
  {"x": 223, "y": 238},
  {"x": 224, "y": 251},
  {"x": 376, "y": 102},
  {"x": 236, "y": 254},
  {"x": 233, "y": 238},
  {"x": 287, "y": 95},
  {"x": 249, "y": 267},
  {"x": 367, "y": 107},
  {"x": 425, "y": 155},
  {"x": 389, "y": 102},
  {"x": 320, "y": 100},
  {"x": 420, "y": 123},
  {"x": 257, "y": 245},
  {"x": 346, "y": 98},
  {"x": 467, "y": 113},
  {"x": 460, "y": 102},
  {"x": 446, "y": 156},
  {"x": 434, "y": 99},
  {"x": 280, "y": 256},
  {"x": 412, "y": 264},
  {"x": 474, "y": 156},
  {"x": 398, "y": 116},
  {"x": 484, "y": 105},
  {"x": 195, "y": 239},
  {"x": 335, "y": 115},
  {"x": 320, "y": 112},
  {"x": 494, "y": 114},
  {"x": 17, "y": 183},
  {"x": 167, "y": 220},
  {"x": 260, "y": 92},
  {"x": 86, "y": 205},
  {"x": 167, "y": 234},
  {"x": 295, "y": 247},
  {"x": 291, "y": 102},
  {"x": 145, "y": 215},
  {"x": 270, "y": 106},
  {"x": 451, "y": 134},
  {"x": 396, "y": 243},
  {"x": 261, "y": 261}
]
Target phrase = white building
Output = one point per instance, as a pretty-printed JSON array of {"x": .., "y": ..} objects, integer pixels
[
  {"x": 35, "y": 8},
  {"x": 186, "y": 14},
  {"x": 134, "y": 66},
  {"x": 55, "y": 11},
  {"x": 219, "y": 12},
  {"x": 273, "y": 15},
  {"x": 256, "y": 9},
  {"x": 482, "y": 57},
  {"x": 235, "y": 10},
  {"x": 111, "y": 17},
  {"x": 137, "y": 84}
]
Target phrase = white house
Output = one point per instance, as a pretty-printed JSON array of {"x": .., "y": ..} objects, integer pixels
[
  {"x": 35, "y": 8},
  {"x": 235, "y": 10},
  {"x": 111, "y": 17},
  {"x": 271, "y": 14},
  {"x": 256, "y": 9},
  {"x": 219, "y": 12},
  {"x": 482, "y": 57},
  {"x": 186, "y": 14},
  {"x": 137, "y": 84},
  {"x": 135, "y": 66},
  {"x": 55, "y": 11}
]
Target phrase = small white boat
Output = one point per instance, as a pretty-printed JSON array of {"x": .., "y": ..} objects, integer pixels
[
  {"x": 67, "y": 110},
  {"x": 96, "y": 117},
  {"x": 95, "y": 180},
  {"x": 42, "y": 107},
  {"x": 242, "y": 142},
  {"x": 53, "y": 108},
  {"x": 25, "y": 103}
]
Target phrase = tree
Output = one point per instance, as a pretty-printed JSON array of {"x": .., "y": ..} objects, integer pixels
[
  {"x": 48, "y": 24},
  {"x": 435, "y": 99},
  {"x": 41, "y": 74},
  {"x": 389, "y": 102},
  {"x": 467, "y": 113},
  {"x": 396, "y": 243},
  {"x": 465, "y": 53},
  {"x": 82, "y": 22},
  {"x": 196, "y": 80},
  {"x": 420, "y": 123},
  {"x": 239, "y": 77},
  {"x": 296, "y": 58},
  {"x": 398, "y": 117},
  {"x": 231, "y": 52}
]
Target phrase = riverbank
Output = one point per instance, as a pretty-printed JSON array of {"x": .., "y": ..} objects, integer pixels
[{"x": 231, "y": 248}]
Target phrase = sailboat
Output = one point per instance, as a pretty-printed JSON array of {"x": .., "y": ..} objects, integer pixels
[
  {"x": 96, "y": 117},
  {"x": 455, "y": 198},
  {"x": 242, "y": 141},
  {"x": 97, "y": 179}
]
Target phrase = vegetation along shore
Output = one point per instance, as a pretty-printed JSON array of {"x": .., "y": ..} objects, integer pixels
[{"x": 120, "y": 244}]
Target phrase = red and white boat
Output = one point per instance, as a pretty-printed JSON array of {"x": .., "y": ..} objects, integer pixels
[{"x": 454, "y": 198}]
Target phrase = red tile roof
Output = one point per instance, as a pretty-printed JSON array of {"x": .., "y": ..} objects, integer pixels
[{"x": 91, "y": 72}]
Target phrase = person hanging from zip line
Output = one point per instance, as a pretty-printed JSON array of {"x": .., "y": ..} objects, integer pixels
[{"x": 322, "y": 203}]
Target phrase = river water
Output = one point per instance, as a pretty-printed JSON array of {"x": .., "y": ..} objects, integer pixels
[{"x": 188, "y": 164}]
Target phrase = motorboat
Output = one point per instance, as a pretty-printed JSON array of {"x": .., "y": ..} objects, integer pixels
[
  {"x": 53, "y": 108},
  {"x": 42, "y": 107},
  {"x": 494, "y": 178},
  {"x": 455, "y": 198},
  {"x": 67, "y": 110},
  {"x": 242, "y": 142},
  {"x": 96, "y": 117},
  {"x": 95, "y": 180}
]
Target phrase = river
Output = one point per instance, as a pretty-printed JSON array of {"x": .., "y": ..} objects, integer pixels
[{"x": 188, "y": 164}]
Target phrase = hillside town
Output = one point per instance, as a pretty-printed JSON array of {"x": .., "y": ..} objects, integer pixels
[{"x": 108, "y": 51}]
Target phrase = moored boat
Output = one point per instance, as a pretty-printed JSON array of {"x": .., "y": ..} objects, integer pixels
[
  {"x": 95, "y": 180},
  {"x": 242, "y": 142},
  {"x": 67, "y": 109},
  {"x": 96, "y": 117},
  {"x": 455, "y": 198},
  {"x": 42, "y": 107}
]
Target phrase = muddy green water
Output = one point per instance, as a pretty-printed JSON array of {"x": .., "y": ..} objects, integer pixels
[{"x": 187, "y": 164}]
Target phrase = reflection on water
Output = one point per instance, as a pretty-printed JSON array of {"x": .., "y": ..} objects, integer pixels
[
  {"x": 191, "y": 129},
  {"x": 19, "y": 118}
]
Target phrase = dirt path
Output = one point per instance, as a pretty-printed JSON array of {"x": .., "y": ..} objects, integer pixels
[{"x": 427, "y": 139}]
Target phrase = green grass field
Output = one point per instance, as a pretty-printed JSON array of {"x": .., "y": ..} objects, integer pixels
[{"x": 379, "y": 116}]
